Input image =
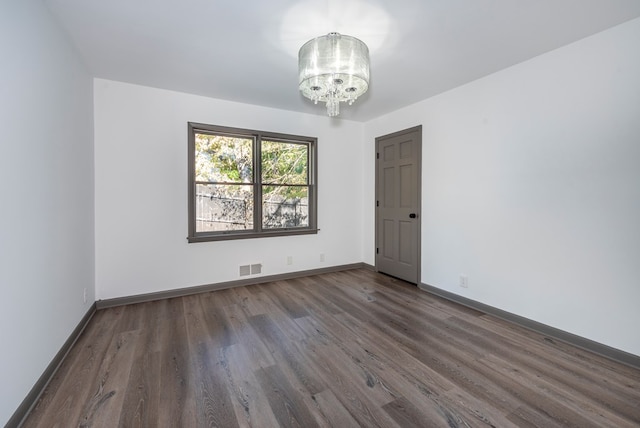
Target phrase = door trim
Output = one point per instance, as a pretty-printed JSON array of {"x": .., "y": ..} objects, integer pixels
[{"x": 417, "y": 129}]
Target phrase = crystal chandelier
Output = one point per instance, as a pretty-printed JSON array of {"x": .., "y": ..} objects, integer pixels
[{"x": 333, "y": 69}]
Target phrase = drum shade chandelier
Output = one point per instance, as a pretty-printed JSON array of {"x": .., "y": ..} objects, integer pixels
[{"x": 333, "y": 69}]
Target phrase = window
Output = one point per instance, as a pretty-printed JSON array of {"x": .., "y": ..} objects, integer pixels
[{"x": 249, "y": 184}]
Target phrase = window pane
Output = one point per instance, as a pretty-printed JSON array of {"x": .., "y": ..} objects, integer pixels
[
  {"x": 223, "y": 159},
  {"x": 284, "y": 163},
  {"x": 223, "y": 207},
  {"x": 285, "y": 207}
]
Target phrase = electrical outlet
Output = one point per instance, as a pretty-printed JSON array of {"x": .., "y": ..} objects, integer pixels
[
  {"x": 464, "y": 281},
  {"x": 84, "y": 295},
  {"x": 321, "y": 257},
  {"x": 289, "y": 260}
]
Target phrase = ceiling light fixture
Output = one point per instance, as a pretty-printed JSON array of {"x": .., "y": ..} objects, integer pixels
[{"x": 333, "y": 69}]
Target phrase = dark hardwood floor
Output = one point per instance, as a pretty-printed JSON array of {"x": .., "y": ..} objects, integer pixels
[{"x": 345, "y": 349}]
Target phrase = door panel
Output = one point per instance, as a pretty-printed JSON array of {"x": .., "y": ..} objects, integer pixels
[
  {"x": 398, "y": 204},
  {"x": 388, "y": 247},
  {"x": 406, "y": 242},
  {"x": 406, "y": 188}
]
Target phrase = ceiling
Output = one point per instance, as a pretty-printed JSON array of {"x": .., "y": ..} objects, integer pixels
[{"x": 246, "y": 51}]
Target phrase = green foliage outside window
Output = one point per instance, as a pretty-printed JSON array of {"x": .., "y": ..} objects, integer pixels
[{"x": 224, "y": 159}]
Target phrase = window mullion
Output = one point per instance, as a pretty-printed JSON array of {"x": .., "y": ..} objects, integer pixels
[{"x": 257, "y": 183}]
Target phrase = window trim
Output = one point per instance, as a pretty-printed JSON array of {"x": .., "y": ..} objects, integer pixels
[{"x": 257, "y": 137}]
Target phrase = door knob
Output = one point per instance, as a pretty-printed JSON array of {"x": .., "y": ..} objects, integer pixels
[{"x": 413, "y": 215}]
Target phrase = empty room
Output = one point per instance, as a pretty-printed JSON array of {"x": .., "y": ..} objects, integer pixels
[{"x": 320, "y": 213}]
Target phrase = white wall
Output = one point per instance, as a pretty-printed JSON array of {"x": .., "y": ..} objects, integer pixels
[
  {"x": 531, "y": 187},
  {"x": 46, "y": 186},
  {"x": 141, "y": 192}
]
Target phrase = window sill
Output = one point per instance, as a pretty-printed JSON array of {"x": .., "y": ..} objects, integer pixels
[{"x": 250, "y": 235}]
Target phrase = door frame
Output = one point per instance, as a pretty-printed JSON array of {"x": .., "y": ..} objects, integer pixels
[{"x": 417, "y": 129}]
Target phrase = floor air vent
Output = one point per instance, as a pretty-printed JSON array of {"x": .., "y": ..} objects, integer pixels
[
  {"x": 251, "y": 269},
  {"x": 245, "y": 270}
]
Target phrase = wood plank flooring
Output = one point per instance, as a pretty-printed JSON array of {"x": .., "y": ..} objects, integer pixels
[{"x": 346, "y": 349}]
